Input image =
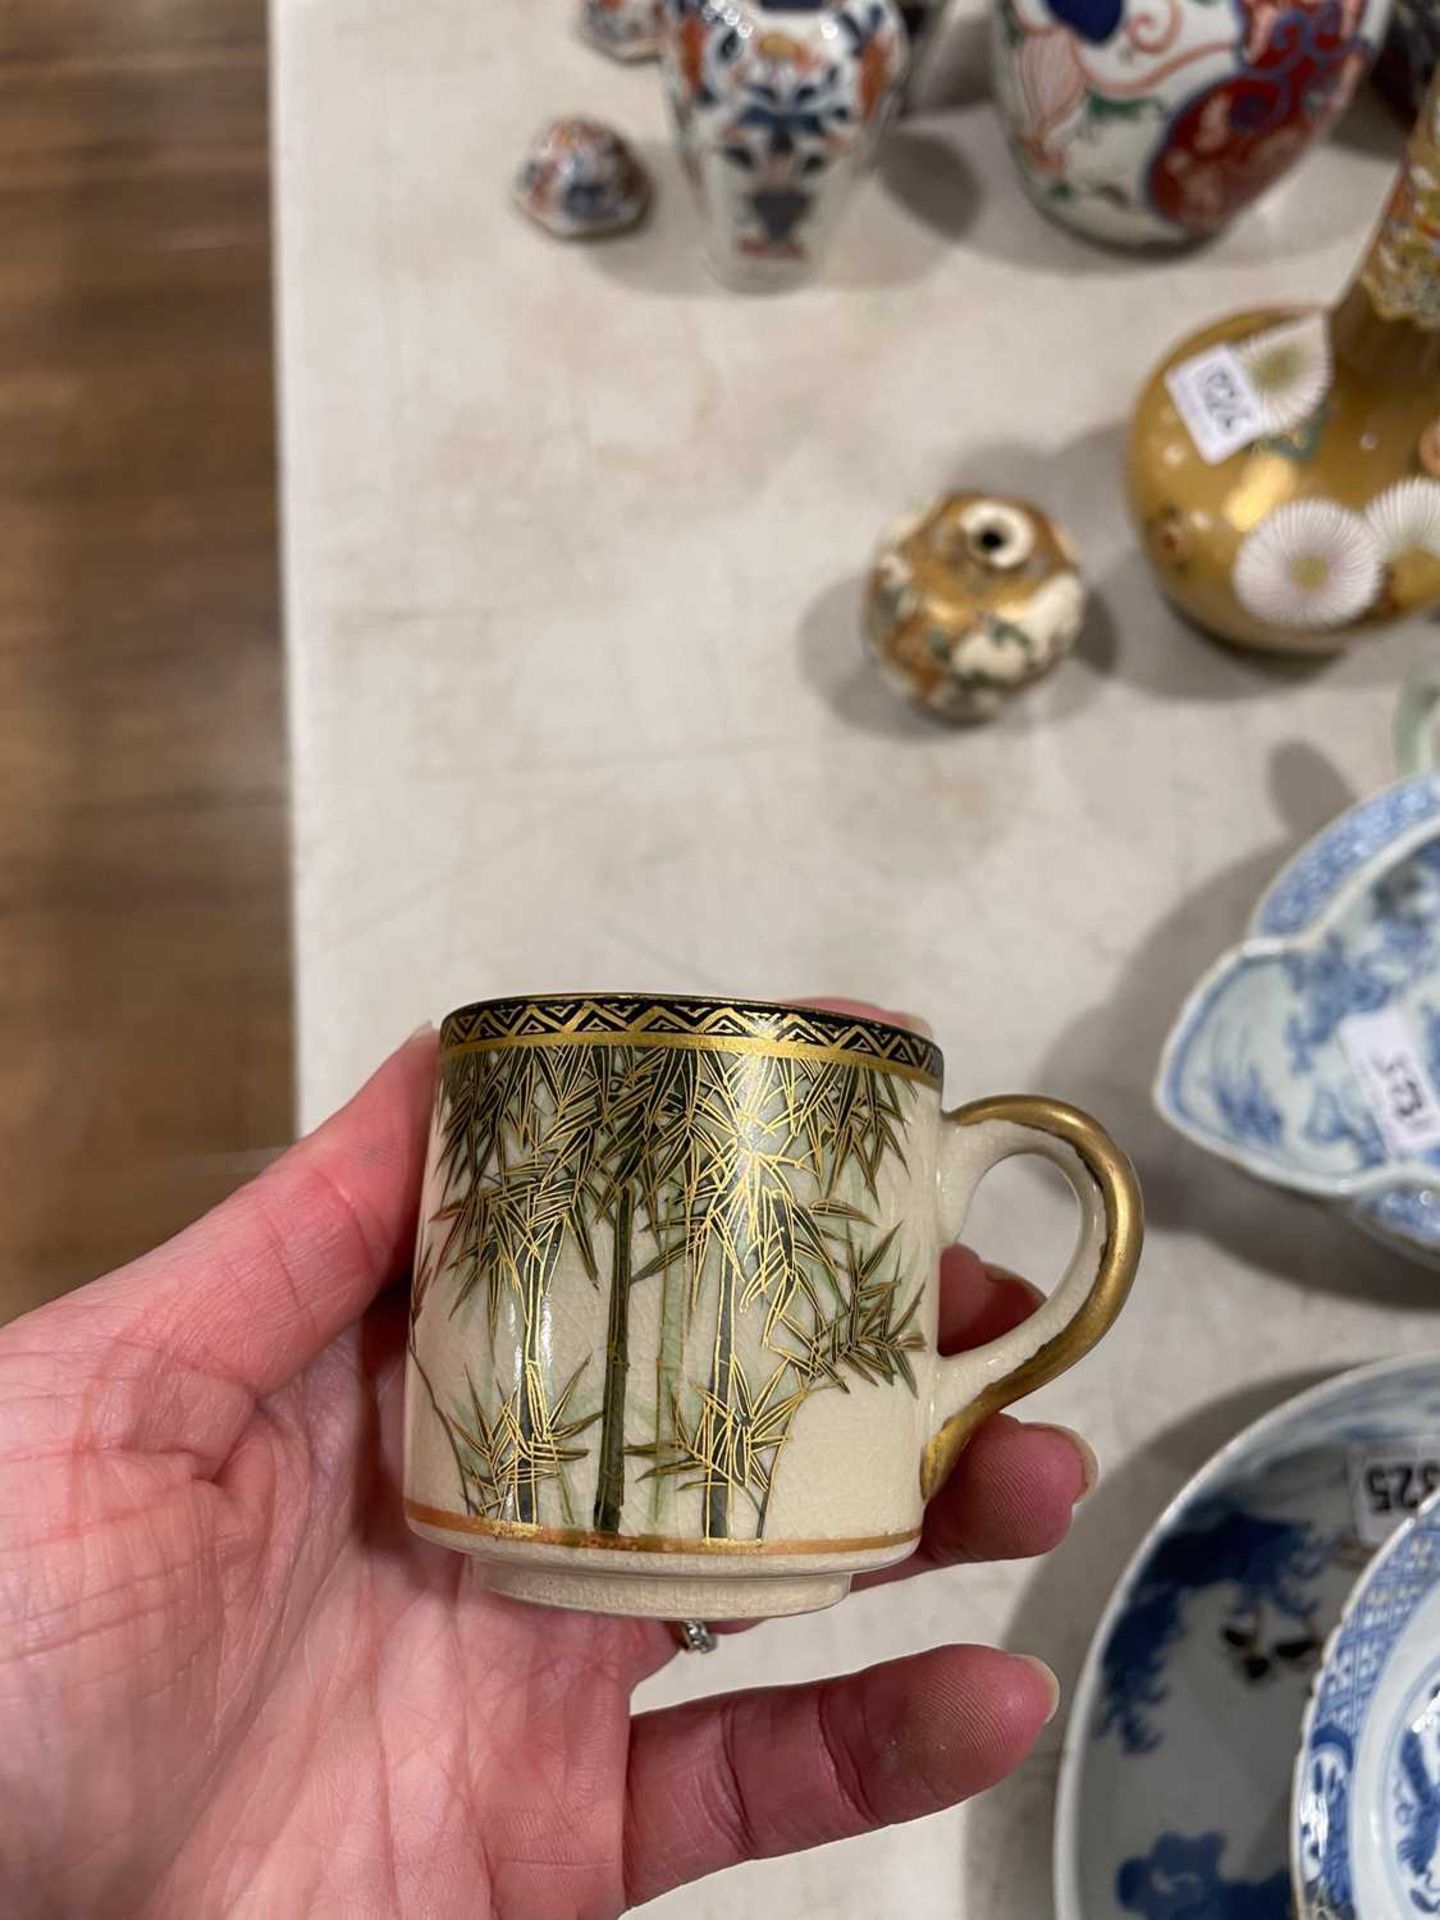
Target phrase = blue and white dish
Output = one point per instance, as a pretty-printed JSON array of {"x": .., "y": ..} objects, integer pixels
[
  {"x": 1310, "y": 1054},
  {"x": 1366, "y": 1827},
  {"x": 1175, "y": 1784}
]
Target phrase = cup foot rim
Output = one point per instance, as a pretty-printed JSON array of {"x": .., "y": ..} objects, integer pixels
[
  {"x": 673, "y": 1586},
  {"x": 667, "y": 1596}
]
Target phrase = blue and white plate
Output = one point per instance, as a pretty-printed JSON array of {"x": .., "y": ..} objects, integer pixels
[
  {"x": 1310, "y": 1054},
  {"x": 1176, "y": 1779},
  {"x": 1366, "y": 1832}
]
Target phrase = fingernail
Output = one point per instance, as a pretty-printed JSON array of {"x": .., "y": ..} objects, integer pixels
[
  {"x": 1052, "y": 1685},
  {"x": 425, "y": 1027},
  {"x": 1089, "y": 1459},
  {"x": 916, "y": 1022}
]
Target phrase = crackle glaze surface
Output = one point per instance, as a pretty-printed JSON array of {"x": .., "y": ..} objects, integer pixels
[
  {"x": 675, "y": 1298},
  {"x": 662, "y": 1286}
]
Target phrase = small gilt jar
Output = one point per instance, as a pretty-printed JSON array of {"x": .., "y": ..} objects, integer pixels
[
  {"x": 972, "y": 602},
  {"x": 1284, "y": 466}
]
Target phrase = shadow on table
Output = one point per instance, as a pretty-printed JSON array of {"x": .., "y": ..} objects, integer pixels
[
  {"x": 954, "y": 64},
  {"x": 918, "y": 172},
  {"x": 836, "y": 662},
  {"x": 1108, "y": 1057},
  {"x": 665, "y": 255},
  {"x": 1166, "y": 655},
  {"x": 1074, "y": 1584},
  {"x": 1370, "y": 127},
  {"x": 1144, "y": 640},
  {"x": 1130, "y": 633},
  {"x": 923, "y": 172}
]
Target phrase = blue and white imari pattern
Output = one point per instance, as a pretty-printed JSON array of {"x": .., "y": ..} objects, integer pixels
[
  {"x": 1181, "y": 1879},
  {"x": 1255, "y": 1069},
  {"x": 1385, "y": 1604},
  {"x": 1176, "y": 1784},
  {"x": 1307, "y": 885},
  {"x": 1266, "y": 1568},
  {"x": 1412, "y": 1780}
]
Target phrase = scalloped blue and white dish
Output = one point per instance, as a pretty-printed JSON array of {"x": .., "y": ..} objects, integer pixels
[
  {"x": 1260, "y": 1066},
  {"x": 1175, "y": 1785},
  {"x": 1366, "y": 1821}
]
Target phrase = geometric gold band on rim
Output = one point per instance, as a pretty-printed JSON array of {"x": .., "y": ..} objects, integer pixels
[
  {"x": 646, "y": 1542},
  {"x": 712, "y": 1026},
  {"x": 702, "y": 1043}
]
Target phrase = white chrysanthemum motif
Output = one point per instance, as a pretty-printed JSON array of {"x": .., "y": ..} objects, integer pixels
[
  {"x": 1406, "y": 518},
  {"x": 1310, "y": 563},
  {"x": 1289, "y": 368}
]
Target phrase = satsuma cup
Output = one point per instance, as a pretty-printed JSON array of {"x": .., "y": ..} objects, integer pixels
[{"x": 673, "y": 1328}]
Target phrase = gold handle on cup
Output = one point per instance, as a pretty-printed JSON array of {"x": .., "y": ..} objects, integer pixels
[{"x": 972, "y": 1386}]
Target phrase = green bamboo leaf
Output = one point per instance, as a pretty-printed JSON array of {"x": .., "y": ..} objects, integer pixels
[
  {"x": 570, "y": 1385},
  {"x": 875, "y": 1259},
  {"x": 828, "y": 1208}
]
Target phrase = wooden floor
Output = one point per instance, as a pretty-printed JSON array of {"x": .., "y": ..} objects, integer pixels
[{"x": 144, "y": 966}]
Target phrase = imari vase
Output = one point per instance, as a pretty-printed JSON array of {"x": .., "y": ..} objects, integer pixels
[
  {"x": 1284, "y": 466},
  {"x": 1145, "y": 122},
  {"x": 673, "y": 1320},
  {"x": 778, "y": 108}
]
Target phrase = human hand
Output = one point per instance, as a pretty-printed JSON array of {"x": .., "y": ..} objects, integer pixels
[{"x": 233, "y": 1682}]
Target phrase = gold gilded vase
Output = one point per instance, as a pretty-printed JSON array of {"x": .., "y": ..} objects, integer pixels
[{"x": 1284, "y": 464}]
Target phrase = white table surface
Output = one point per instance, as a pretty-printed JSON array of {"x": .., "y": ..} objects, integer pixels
[{"x": 573, "y": 540}]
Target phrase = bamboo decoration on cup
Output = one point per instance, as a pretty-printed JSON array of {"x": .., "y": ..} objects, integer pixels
[{"x": 672, "y": 1332}]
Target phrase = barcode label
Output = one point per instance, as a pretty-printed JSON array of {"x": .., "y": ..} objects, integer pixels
[
  {"x": 1389, "y": 1482},
  {"x": 1214, "y": 397},
  {"x": 1397, "y": 1089}
]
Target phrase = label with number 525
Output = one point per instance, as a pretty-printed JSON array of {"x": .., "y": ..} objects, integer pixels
[{"x": 1389, "y": 1482}]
